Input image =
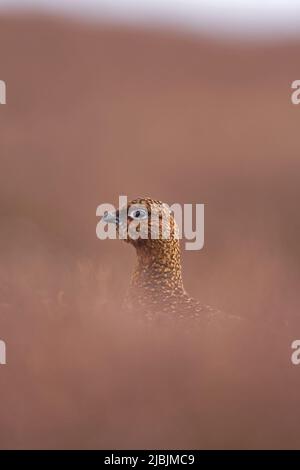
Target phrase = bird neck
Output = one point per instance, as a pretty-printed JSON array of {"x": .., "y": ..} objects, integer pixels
[{"x": 158, "y": 268}]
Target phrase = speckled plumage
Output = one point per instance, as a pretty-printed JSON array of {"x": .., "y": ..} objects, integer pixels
[{"x": 156, "y": 286}]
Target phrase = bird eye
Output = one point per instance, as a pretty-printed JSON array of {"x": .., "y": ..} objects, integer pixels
[{"x": 138, "y": 214}]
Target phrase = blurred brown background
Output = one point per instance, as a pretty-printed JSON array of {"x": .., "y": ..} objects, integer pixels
[{"x": 96, "y": 111}]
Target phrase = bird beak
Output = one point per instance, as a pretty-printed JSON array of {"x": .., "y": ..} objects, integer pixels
[{"x": 111, "y": 217}]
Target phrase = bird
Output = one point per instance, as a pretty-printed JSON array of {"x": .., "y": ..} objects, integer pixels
[{"x": 156, "y": 286}]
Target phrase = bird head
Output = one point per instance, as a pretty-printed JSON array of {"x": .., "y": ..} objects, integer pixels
[
  {"x": 149, "y": 225},
  {"x": 145, "y": 223}
]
